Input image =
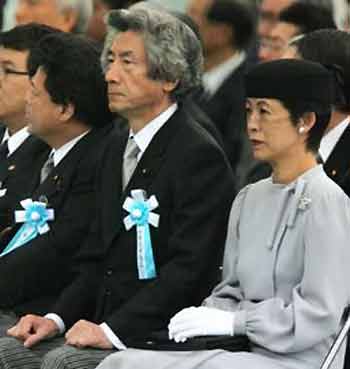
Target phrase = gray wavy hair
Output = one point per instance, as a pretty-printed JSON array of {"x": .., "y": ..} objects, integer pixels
[
  {"x": 84, "y": 9},
  {"x": 173, "y": 51}
]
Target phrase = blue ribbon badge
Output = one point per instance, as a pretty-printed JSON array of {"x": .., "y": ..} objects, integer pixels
[
  {"x": 141, "y": 215},
  {"x": 35, "y": 218}
]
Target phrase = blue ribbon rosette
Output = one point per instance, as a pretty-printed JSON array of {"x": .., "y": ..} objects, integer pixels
[
  {"x": 35, "y": 218},
  {"x": 141, "y": 216}
]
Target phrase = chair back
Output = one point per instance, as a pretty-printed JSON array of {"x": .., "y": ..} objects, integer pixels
[{"x": 342, "y": 334}]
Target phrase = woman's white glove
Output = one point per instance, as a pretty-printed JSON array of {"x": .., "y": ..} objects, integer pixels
[{"x": 200, "y": 321}]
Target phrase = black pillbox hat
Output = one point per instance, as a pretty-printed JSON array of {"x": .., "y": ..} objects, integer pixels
[{"x": 291, "y": 79}]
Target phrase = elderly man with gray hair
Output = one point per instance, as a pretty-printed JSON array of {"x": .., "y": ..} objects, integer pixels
[
  {"x": 66, "y": 15},
  {"x": 164, "y": 192}
]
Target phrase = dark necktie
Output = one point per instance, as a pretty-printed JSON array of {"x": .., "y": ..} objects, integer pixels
[
  {"x": 47, "y": 168},
  {"x": 4, "y": 150},
  {"x": 319, "y": 158}
]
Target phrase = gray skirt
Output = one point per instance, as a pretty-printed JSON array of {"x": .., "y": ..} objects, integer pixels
[{"x": 210, "y": 359}]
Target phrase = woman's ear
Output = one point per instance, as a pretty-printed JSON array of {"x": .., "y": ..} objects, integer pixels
[{"x": 307, "y": 121}]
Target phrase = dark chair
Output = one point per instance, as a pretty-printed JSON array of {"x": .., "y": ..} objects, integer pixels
[{"x": 341, "y": 336}]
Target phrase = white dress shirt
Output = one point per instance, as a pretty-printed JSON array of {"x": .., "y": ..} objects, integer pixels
[
  {"x": 60, "y": 153},
  {"x": 329, "y": 141},
  {"x": 15, "y": 141},
  {"x": 142, "y": 138},
  {"x": 214, "y": 78}
]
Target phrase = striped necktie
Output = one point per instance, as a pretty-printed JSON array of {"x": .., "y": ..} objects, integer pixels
[
  {"x": 130, "y": 160},
  {"x": 47, "y": 168}
]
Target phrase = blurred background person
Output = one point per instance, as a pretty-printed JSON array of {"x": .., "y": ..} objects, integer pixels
[
  {"x": 66, "y": 15},
  {"x": 97, "y": 28},
  {"x": 299, "y": 18},
  {"x": 225, "y": 64},
  {"x": 332, "y": 47},
  {"x": 269, "y": 11}
]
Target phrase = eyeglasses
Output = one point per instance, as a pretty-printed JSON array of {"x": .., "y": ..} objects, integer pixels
[
  {"x": 4, "y": 71},
  {"x": 274, "y": 45}
]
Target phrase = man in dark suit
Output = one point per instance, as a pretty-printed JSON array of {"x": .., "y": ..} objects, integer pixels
[
  {"x": 332, "y": 47},
  {"x": 166, "y": 176},
  {"x": 67, "y": 107},
  {"x": 225, "y": 64},
  {"x": 21, "y": 155}
]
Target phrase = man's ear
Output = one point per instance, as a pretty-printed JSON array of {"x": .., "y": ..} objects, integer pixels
[
  {"x": 67, "y": 112},
  {"x": 70, "y": 19},
  {"x": 168, "y": 87}
]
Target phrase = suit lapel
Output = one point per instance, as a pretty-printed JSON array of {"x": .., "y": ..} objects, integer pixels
[
  {"x": 2, "y": 132},
  {"x": 338, "y": 162},
  {"x": 111, "y": 186},
  {"x": 61, "y": 175},
  {"x": 5, "y": 170},
  {"x": 26, "y": 149},
  {"x": 148, "y": 167}
]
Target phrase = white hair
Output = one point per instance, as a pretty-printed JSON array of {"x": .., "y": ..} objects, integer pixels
[{"x": 84, "y": 9}]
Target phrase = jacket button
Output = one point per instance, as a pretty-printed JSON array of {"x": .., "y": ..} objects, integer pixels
[
  {"x": 109, "y": 272},
  {"x": 108, "y": 293},
  {"x": 334, "y": 172}
]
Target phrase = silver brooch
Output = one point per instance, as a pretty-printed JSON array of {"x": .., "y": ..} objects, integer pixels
[{"x": 304, "y": 203}]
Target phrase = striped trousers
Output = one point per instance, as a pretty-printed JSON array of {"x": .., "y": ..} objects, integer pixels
[
  {"x": 7, "y": 320},
  {"x": 51, "y": 354}
]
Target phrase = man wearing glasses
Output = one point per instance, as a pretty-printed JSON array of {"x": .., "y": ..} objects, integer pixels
[
  {"x": 299, "y": 18},
  {"x": 268, "y": 15},
  {"x": 21, "y": 155}
]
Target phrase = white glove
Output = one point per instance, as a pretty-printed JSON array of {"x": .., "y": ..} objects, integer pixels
[{"x": 200, "y": 321}]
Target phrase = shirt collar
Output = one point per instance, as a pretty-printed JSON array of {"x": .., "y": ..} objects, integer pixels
[
  {"x": 329, "y": 141},
  {"x": 213, "y": 79},
  {"x": 146, "y": 134},
  {"x": 15, "y": 141},
  {"x": 59, "y": 154}
]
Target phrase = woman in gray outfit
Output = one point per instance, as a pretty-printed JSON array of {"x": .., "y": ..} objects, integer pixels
[{"x": 285, "y": 277}]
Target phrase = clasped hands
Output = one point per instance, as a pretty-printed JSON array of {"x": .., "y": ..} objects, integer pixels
[
  {"x": 31, "y": 329},
  {"x": 200, "y": 321}
]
